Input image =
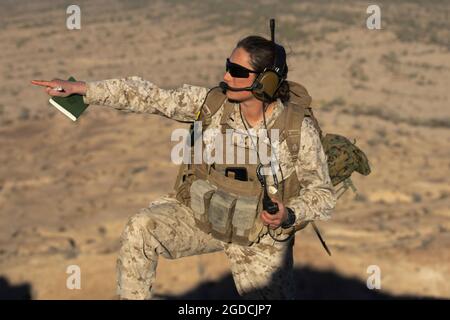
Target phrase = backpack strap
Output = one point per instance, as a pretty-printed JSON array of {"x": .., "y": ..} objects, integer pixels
[
  {"x": 228, "y": 109},
  {"x": 211, "y": 105},
  {"x": 309, "y": 113},
  {"x": 293, "y": 119},
  {"x": 298, "y": 107},
  {"x": 290, "y": 121}
]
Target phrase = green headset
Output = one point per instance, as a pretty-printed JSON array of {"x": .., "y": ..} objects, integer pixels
[{"x": 270, "y": 79}]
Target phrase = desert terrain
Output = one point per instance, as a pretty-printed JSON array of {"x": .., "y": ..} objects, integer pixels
[{"x": 68, "y": 188}]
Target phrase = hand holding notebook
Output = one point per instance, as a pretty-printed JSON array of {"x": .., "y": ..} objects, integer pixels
[{"x": 67, "y": 96}]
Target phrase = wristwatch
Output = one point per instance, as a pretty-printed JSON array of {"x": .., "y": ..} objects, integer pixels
[{"x": 290, "y": 218}]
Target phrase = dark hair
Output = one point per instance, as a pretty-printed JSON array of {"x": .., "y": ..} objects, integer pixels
[{"x": 262, "y": 55}]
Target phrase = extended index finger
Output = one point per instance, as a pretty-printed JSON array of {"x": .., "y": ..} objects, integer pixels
[{"x": 43, "y": 83}]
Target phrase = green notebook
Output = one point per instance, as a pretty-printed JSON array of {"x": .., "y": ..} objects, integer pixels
[{"x": 72, "y": 106}]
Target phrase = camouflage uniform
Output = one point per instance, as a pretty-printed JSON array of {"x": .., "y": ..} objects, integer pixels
[{"x": 167, "y": 227}]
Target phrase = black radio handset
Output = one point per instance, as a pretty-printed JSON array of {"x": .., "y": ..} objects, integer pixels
[{"x": 268, "y": 205}]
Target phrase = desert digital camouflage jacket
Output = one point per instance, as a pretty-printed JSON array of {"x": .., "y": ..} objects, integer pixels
[{"x": 317, "y": 197}]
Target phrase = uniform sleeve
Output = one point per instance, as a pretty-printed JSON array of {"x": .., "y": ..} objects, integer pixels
[
  {"x": 317, "y": 197},
  {"x": 134, "y": 94}
]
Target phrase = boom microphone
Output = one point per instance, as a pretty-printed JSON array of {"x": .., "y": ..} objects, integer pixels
[{"x": 224, "y": 86}]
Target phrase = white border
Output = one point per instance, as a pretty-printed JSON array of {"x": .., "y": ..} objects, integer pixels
[{"x": 67, "y": 113}]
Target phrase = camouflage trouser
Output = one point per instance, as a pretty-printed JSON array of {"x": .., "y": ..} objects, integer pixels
[{"x": 167, "y": 227}]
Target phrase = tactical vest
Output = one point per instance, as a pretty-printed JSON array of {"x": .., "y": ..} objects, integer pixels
[{"x": 229, "y": 208}]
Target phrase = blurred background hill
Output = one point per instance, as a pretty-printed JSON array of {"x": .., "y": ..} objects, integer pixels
[{"x": 67, "y": 189}]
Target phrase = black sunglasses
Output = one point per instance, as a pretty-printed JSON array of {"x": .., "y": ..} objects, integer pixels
[{"x": 238, "y": 71}]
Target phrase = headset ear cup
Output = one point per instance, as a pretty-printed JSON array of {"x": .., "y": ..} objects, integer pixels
[
  {"x": 258, "y": 87},
  {"x": 268, "y": 84}
]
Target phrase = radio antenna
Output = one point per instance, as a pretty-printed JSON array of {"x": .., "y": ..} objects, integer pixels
[{"x": 272, "y": 29}]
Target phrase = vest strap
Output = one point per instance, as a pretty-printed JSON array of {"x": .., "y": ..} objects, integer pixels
[
  {"x": 214, "y": 101},
  {"x": 293, "y": 122}
]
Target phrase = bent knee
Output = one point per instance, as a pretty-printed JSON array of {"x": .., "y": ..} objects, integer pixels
[{"x": 138, "y": 224}]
